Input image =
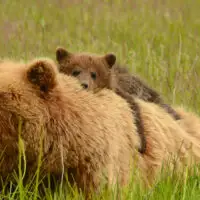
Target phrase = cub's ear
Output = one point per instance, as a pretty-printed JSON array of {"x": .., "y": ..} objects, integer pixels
[
  {"x": 62, "y": 54},
  {"x": 42, "y": 73},
  {"x": 110, "y": 59}
]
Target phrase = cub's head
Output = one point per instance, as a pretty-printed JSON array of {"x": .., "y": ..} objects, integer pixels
[{"x": 93, "y": 71}]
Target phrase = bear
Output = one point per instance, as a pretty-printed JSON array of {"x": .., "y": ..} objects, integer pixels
[
  {"x": 90, "y": 134},
  {"x": 96, "y": 72}
]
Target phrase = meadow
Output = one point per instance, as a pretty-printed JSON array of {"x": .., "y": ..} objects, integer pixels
[{"x": 158, "y": 40}]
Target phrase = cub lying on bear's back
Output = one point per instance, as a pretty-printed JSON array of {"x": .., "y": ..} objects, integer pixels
[{"x": 96, "y": 72}]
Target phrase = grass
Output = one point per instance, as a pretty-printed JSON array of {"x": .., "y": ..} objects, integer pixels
[{"x": 159, "y": 40}]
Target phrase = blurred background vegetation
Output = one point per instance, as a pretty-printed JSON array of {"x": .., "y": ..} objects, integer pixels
[{"x": 157, "y": 39}]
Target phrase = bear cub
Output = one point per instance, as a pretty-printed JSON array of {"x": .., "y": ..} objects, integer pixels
[{"x": 96, "y": 72}]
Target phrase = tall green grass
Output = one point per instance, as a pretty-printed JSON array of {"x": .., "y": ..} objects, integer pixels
[{"x": 159, "y": 40}]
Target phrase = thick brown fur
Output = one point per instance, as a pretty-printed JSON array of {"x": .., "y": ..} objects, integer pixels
[{"x": 90, "y": 134}]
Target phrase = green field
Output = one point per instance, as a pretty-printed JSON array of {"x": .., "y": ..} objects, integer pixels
[{"x": 158, "y": 40}]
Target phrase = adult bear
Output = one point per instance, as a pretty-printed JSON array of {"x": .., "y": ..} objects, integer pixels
[{"x": 92, "y": 134}]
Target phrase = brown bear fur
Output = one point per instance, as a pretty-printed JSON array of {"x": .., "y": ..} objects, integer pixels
[
  {"x": 96, "y": 72},
  {"x": 90, "y": 134}
]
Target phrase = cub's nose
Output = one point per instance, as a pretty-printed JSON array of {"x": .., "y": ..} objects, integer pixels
[{"x": 84, "y": 85}]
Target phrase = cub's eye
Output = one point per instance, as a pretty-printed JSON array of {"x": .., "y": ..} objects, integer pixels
[
  {"x": 75, "y": 73},
  {"x": 93, "y": 75}
]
